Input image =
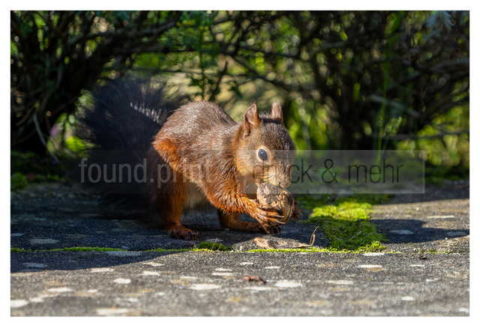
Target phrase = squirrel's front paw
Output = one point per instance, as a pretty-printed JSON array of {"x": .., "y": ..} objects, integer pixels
[
  {"x": 269, "y": 219},
  {"x": 268, "y": 216}
]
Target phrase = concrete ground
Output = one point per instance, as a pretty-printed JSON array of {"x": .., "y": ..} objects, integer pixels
[{"x": 424, "y": 272}]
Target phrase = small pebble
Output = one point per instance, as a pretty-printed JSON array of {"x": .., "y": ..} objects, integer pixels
[
  {"x": 18, "y": 303},
  {"x": 38, "y": 299},
  {"x": 132, "y": 299},
  {"x": 150, "y": 273},
  {"x": 258, "y": 288},
  {"x": 222, "y": 273},
  {"x": 153, "y": 264},
  {"x": 373, "y": 268},
  {"x": 203, "y": 287},
  {"x": 407, "y": 298},
  {"x": 287, "y": 284},
  {"x": 370, "y": 266},
  {"x": 188, "y": 277},
  {"x": 246, "y": 263},
  {"x": 122, "y": 281},
  {"x": 373, "y": 254},
  {"x": 100, "y": 270},
  {"x": 340, "y": 282},
  {"x": 111, "y": 311},
  {"x": 272, "y": 267},
  {"x": 60, "y": 290}
]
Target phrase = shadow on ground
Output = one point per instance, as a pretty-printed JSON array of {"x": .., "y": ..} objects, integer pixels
[
  {"x": 56, "y": 216},
  {"x": 413, "y": 231}
]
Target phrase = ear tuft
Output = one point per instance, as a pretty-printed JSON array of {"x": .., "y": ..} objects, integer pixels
[
  {"x": 251, "y": 116},
  {"x": 252, "y": 119},
  {"x": 276, "y": 112}
]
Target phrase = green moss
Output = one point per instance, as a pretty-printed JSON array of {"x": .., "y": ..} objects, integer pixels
[
  {"x": 311, "y": 249},
  {"x": 213, "y": 246},
  {"x": 167, "y": 250},
  {"x": 372, "y": 248},
  {"x": 309, "y": 202},
  {"x": 18, "y": 181},
  {"x": 18, "y": 250},
  {"x": 100, "y": 249},
  {"x": 368, "y": 198},
  {"x": 104, "y": 249},
  {"x": 29, "y": 167},
  {"x": 345, "y": 223}
]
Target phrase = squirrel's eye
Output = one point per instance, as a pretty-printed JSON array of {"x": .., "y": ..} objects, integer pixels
[{"x": 262, "y": 154}]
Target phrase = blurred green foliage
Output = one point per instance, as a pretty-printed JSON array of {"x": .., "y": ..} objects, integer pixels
[
  {"x": 18, "y": 181},
  {"x": 28, "y": 167},
  {"x": 347, "y": 80}
]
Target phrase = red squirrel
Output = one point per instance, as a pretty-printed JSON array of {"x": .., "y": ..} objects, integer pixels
[{"x": 199, "y": 151}]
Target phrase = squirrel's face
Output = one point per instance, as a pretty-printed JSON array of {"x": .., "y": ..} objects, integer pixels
[{"x": 264, "y": 150}]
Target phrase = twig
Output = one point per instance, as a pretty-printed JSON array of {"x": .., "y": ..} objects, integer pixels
[{"x": 313, "y": 237}]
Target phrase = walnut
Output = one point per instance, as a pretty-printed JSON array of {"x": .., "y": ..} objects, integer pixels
[{"x": 275, "y": 197}]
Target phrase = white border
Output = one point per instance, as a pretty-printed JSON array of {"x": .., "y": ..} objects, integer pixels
[
  {"x": 240, "y": 5},
  {"x": 243, "y": 5}
]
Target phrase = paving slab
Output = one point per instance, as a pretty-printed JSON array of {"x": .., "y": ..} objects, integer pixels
[
  {"x": 211, "y": 284},
  {"x": 424, "y": 272}
]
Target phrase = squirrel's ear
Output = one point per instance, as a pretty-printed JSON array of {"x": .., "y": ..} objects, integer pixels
[
  {"x": 276, "y": 112},
  {"x": 252, "y": 119}
]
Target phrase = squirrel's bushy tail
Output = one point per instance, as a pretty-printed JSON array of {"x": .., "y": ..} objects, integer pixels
[{"x": 120, "y": 126}]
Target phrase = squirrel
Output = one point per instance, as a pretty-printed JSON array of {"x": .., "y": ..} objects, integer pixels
[{"x": 194, "y": 151}]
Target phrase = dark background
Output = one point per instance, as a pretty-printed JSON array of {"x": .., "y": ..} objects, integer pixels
[{"x": 347, "y": 80}]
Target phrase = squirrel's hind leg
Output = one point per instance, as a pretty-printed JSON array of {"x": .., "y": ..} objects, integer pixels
[
  {"x": 176, "y": 203},
  {"x": 169, "y": 200}
]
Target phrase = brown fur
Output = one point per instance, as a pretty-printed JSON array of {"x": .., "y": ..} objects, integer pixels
[{"x": 201, "y": 144}]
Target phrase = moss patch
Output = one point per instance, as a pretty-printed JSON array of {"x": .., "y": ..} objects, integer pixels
[
  {"x": 207, "y": 247},
  {"x": 310, "y": 249},
  {"x": 18, "y": 181},
  {"x": 99, "y": 249},
  {"x": 213, "y": 246},
  {"x": 28, "y": 168},
  {"x": 345, "y": 222}
]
